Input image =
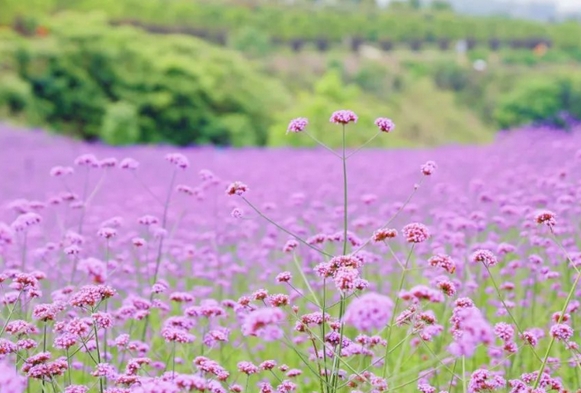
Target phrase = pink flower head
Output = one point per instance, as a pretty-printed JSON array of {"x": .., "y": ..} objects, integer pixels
[
  {"x": 148, "y": 220},
  {"x": 46, "y": 312},
  {"x": 88, "y": 160},
  {"x": 446, "y": 286},
  {"x": 297, "y": 125},
  {"x": 7, "y": 347},
  {"x": 76, "y": 389},
  {"x": 383, "y": 234},
  {"x": 129, "y": 163},
  {"x": 107, "y": 233},
  {"x": 10, "y": 380},
  {"x": 429, "y": 168},
  {"x": 371, "y": 311},
  {"x": 284, "y": 277},
  {"x": 426, "y": 388},
  {"x": 504, "y": 331},
  {"x": 561, "y": 331},
  {"x": 177, "y": 159},
  {"x": 26, "y": 220},
  {"x": 103, "y": 320},
  {"x": 346, "y": 279},
  {"x": 247, "y": 368},
  {"x": 110, "y": 162},
  {"x": 485, "y": 381},
  {"x": 384, "y": 124},
  {"x": 236, "y": 188},
  {"x": 443, "y": 261},
  {"x": 343, "y": 117},
  {"x": 177, "y": 335},
  {"x": 485, "y": 257},
  {"x": 264, "y": 323},
  {"x": 268, "y": 364},
  {"x": 416, "y": 233},
  {"x": 138, "y": 241},
  {"x": 20, "y": 327},
  {"x": 290, "y": 245},
  {"x": 546, "y": 217},
  {"x": 185, "y": 189},
  {"x": 61, "y": 171},
  {"x": 90, "y": 295}
]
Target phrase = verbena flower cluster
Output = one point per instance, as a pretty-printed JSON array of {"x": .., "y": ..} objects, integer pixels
[{"x": 148, "y": 270}]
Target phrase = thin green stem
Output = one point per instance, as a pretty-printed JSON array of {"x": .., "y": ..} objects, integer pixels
[
  {"x": 142, "y": 184},
  {"x": 10, "y": 314},
  {"x": 558, "y": 243},
  {"x": 173, "y": 364},
  {"x": 24, "y": 247},
  {"x": 323, "y": 145},
  {"x": 324, "y": 310},
  {"x": 452, "y": 378},
  {"x": 393, "y": 315},
  {"x": 98, "y": 356},
  {"x": 285, "y": 230},
  {"x": 74, "y": 268},
  {"x": 85, "y": 190},
  {"x": 552, "y": 342},
  {"x": 306, "y": 281},
  {"x": 500, "y": 297},
  {"x": 318, "y": 362},
  {"x": 160, "y": 247},
  {"x": 44, "y": 347},
  {"x": 345, "y": 211},
  {"x": 362, "y": 146},
  {"x": 168, "y": 198},
  {"x": 407, "y": 201},
  {"x": 464, "y": 381},
  {"x": 436, "y": 357},
  {"x": 69, "y": 366},
  {"x": 337, "y": 355}
]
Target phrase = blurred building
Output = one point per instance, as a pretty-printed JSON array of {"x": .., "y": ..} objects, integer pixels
[
  {"x": 535, "y": 10},
  {"x": 539, "y": 10}
]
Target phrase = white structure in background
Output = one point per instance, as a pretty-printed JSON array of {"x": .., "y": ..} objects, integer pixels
[
  {"x": 480, "y": 65},
  {"x": 541, "y": 10},
  {"x": 370, "y": 52},
  {"x": 461, "y": 47}
]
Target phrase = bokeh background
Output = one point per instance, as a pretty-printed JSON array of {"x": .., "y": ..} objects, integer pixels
[{"x": 233, "y": 72}]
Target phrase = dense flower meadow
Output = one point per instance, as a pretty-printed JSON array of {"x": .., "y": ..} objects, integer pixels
[{"x": 156, "y": 270}]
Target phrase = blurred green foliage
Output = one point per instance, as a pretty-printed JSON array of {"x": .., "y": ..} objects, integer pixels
[
  {"x": 511, "y": 96},
  {"x": 126, "y": 86},
  {"x": 89, "y": 74},
  {"x": 423, "y": 114},
  {"x": 541, "y": 100},
  {"x": 277, "y": 21}
]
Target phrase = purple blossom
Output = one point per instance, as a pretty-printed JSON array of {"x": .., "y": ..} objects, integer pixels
[
  {"x": 297, "y": 125},
  {"x": 384, "y": 124},
  {"x": 343, "y": 117}
]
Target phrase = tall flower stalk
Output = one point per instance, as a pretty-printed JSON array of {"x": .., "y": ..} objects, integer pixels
[{"x": 347, "y": 277}]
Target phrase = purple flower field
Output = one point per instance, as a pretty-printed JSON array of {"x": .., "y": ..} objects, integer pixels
[{"x": 165, "y": 270}]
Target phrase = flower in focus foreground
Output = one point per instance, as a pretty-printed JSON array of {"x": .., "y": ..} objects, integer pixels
[
  {"x": 546, "y": 217},
  {"x": 236, "y": 188},
  {"x": 343, "y": 117},
  {"x": 384, "y": 124},
  {"x": 297, "y": 125}
]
